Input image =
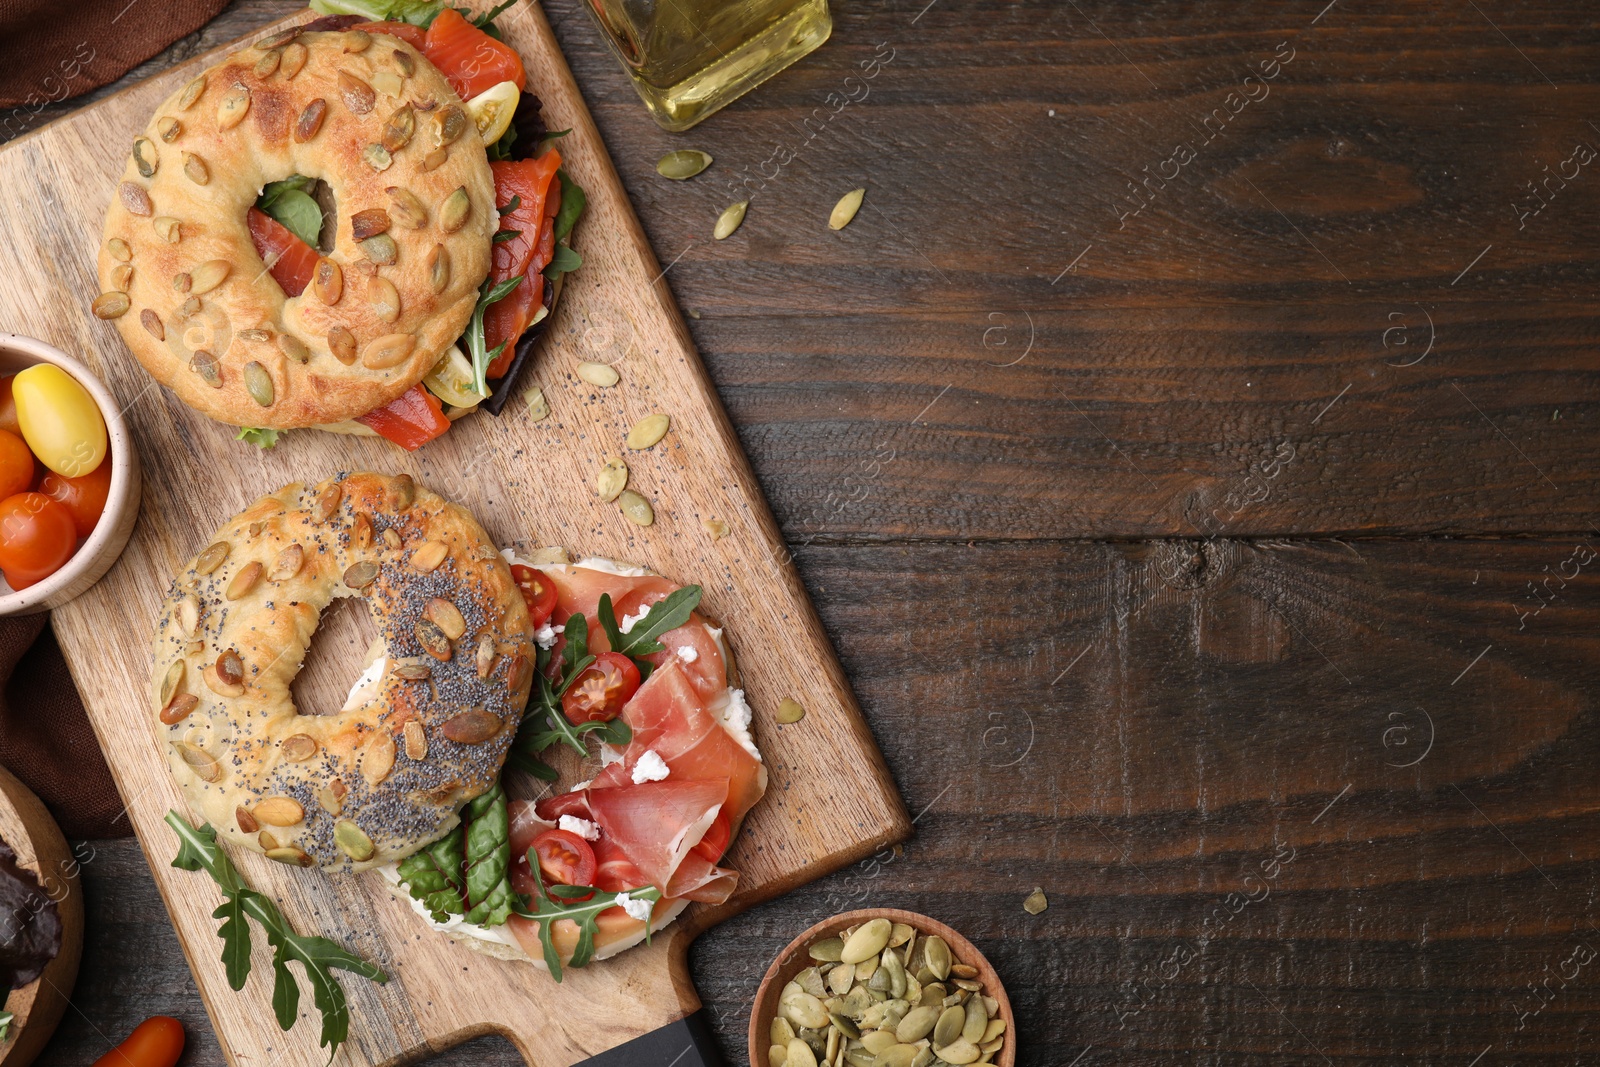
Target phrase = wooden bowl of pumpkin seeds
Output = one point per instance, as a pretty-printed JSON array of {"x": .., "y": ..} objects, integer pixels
[{"x": 881, "y": 988}]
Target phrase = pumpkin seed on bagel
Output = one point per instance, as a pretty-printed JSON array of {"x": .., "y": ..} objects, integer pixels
[
  {"x": 353, "y": 239},
  {"x": 390, "y": 772}
]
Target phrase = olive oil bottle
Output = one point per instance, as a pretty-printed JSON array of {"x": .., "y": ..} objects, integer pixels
[{"x": 688, "y": 58}]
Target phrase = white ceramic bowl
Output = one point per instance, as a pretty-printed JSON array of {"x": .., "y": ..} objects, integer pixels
[{"x": 96, "y": 555}]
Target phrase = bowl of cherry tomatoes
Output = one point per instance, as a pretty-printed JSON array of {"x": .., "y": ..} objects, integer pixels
[{"x": 69, "y": 477}]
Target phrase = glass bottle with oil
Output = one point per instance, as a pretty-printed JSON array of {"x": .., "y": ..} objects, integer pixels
[{"x": 688, "y": 58}]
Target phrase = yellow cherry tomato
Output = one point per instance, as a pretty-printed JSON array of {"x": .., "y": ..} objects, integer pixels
[
  {"x": 60, "y": 420},
  {"x": 491, "y": 110}
]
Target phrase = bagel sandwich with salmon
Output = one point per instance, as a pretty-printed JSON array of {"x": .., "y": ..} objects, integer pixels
[{"x": 357, "y": 224}]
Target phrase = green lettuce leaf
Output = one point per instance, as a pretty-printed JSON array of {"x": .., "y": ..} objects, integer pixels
[
  {"x": 433, "y": 875},
  {"x": 261, "y": 438},
  {"x": 290, "y": 202},
  {"x": 573, "y": 201},
  {"x": 416, "y": 12},
  {"x": 489, "y": 895}
]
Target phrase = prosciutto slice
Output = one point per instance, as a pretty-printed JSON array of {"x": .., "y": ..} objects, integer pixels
[{"x": 649, "y": 830}]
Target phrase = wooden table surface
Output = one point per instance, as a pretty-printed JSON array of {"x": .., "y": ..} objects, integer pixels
[{"x": 1190, "y": 449}]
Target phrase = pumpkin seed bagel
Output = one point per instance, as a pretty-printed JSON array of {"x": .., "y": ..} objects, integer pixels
[
  {"x": 428, "y": 725},
  {"x": 368, "y": 115}
]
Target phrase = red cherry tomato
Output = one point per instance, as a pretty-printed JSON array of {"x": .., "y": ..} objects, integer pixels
[
  {"x": 156, "y": 1042},
  {"x": 564, "y": 858},
  {"x": 85, "y": 497},
  {"x": 37, "y": 536},
  {"x": 537, "y": 590},
  {"x": 8, "y": 407},
  {"x": 599, "y": 693},
  {"x": 715, "y": 843},
  {"x": 16, "y": 464},
  {"x": 470, "y": 60},
  {"x": 294, "y": 262}
]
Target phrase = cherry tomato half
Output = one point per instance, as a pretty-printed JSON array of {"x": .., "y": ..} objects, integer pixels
[
  {"x": 537, "y": 590},
  {"x": 564, "y": 858},
  {"x": 711, "y": 847},
  {"x": 16, "y": 464},
  {"x": 85, "y": 497},
  {"x": 36, "y": 537},
  {"x": 599, "y": 693},
  {"x": 156, "y": 1042}
]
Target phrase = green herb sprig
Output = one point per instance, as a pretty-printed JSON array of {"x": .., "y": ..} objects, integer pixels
[
  {"x": 319, "y": 957},
  {"x": 476, "y": 344},
  {"x": 556, "y": 902},
  {"x": 640, "y": 640}
]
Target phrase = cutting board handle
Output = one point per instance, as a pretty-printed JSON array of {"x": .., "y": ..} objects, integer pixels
[{"x": 685, "y": 1042}]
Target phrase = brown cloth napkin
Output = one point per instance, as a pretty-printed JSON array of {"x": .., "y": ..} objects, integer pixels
[
  {"x": 50, "y": 50},
  {"x": 45, "y": 739}
]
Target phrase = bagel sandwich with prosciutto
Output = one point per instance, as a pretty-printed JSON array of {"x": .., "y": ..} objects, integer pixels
[
  {"x": 671, "y": 772},
  {"x": 356, "y": 224}
]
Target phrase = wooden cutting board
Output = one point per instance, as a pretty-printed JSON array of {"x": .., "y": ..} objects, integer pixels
[{"x": 830, "y": 801}]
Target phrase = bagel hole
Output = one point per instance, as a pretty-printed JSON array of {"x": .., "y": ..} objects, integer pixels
[
  {"x": 336, "y": 658},
  {"x": 322, "y": 193}
]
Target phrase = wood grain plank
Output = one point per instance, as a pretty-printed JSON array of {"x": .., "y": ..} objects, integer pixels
[
  {"x": 1196, "y": 336},
  {"x": 1206, "y": 731},
  {"x": 528, "y": 482}
]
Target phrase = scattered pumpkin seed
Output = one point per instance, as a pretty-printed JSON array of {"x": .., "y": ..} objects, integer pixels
[
  {"x": 716, "y": 528},
  {"x": 439, "y": 268},
  {"x": 294, "y": 348},
  {"x": 342, "y": 343},
  {"x": 790, "y": 711},
  {"x": 612, "y": 480},
  {"x": 210, "y": 559},
  {"x": 601, "y": 375},
  {"x": 290, "y": 855},
  {"x": 538, "y": 406},
  {"x": 167, "y": 228},
  {"x": 402, "y": 125},
  {"x": 208, "y": 275},
  {"x": 201, "y": 762},
  {"x": 1036, "y": 901},
  {"x": 196, "y": 169},
  {"x": 683, "y": 164},
  {"x": 356, "y": 41},
  {"x": 207, "y": 366},
  {"x": 168, "y": 128},
  {"x": 636, "y": 508},
  {"x": 846, "y": 209},
  {"x": 122, "y": 277},
  {"x": 404, "y": 63},
  {"x": 119, "y": 250},
  {"x": 648, "y": 431},
  {"x": 730, "y": 219},
  {"x": 384, "y": 298},
  {"x": 377, "y": 157},
  {"x": 390, "y": 350},
  {"x": 449, "y": 123}
]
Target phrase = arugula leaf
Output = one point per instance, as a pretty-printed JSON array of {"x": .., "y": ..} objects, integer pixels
[
  {"x": 573, "y": 201},
  {"x": 505, "y": 235},
  {"x": 551, "y": 135},
  {"x": 433, "y": 875},
  {"x": 256, "y": 435},
  {"x": 664, "y": 615},
  {"x": 489, "y": 894},
  {"x": 475, "y": 340},
  {"x": 416, "y": 12},
  {"x": 318, "y": 956},
  {"x": 552, "y": 904},
  {"x": 564, "y": 261},
  {"x": 483, "y": 21},
  {"x": 290, "y": 202}
]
